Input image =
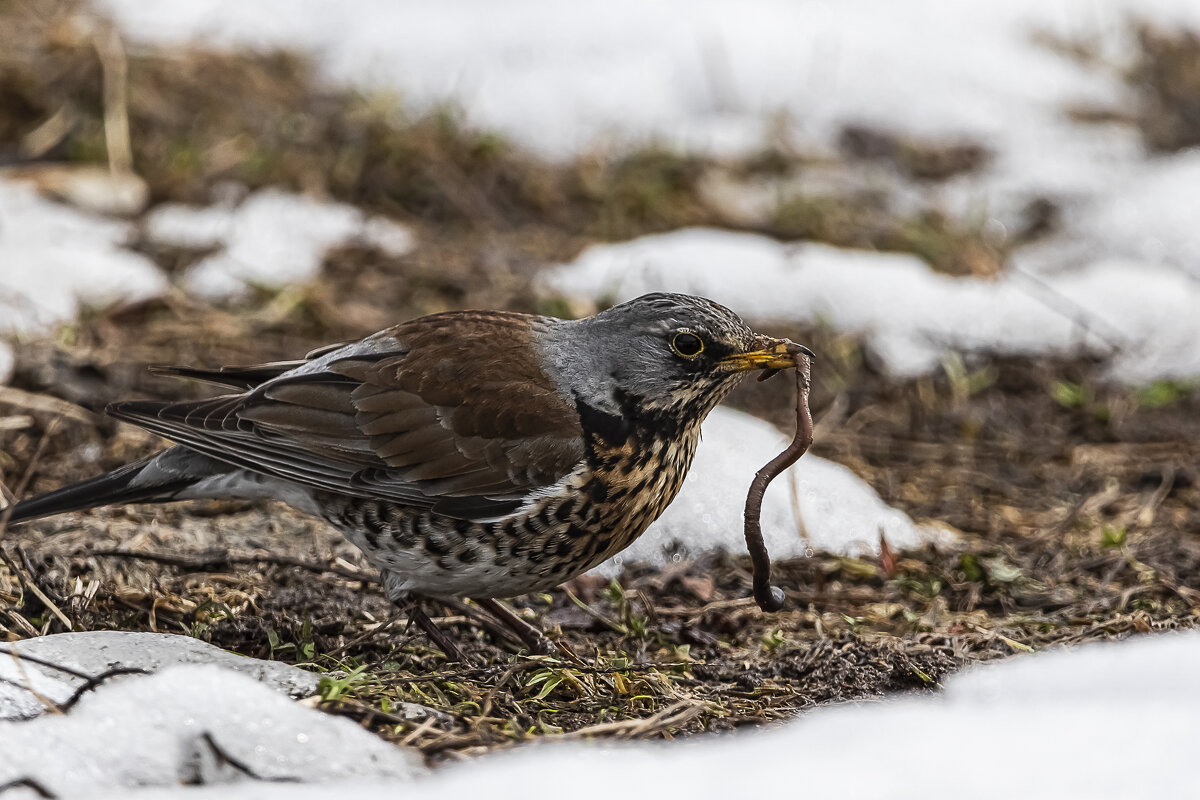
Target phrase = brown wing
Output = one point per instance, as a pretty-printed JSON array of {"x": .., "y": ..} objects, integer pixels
[{"x": 450, "y": 412}]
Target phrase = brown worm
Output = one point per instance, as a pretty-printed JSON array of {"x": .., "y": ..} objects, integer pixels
[{"x": 768, "y": 597}]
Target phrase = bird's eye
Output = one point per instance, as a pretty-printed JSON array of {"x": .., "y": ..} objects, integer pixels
[{"x": 687, "y": 344}]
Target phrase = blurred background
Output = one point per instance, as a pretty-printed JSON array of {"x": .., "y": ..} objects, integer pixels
[{"x": 983, "y": 217}]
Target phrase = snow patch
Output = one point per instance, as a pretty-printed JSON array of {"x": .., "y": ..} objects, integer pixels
[
  {"x": 273, "y": 238},
  {"x": 814, "y": 505},
  {"x": 732, "y": 78},
  {"x": 728, "y": 77},
  {"x": 8, "y": 362},
  {"x": 912, "y": 316},
  {"x": 565, "y": 77},
  {"x": 56, "y": 260},
  {"x": 1068, "y": 705},
  {"x": 26, "y": 688},
  {"x": 172, "y": 728},
  {"x": 94, "y": 652},
  {"x": 1151, "y": 216}
]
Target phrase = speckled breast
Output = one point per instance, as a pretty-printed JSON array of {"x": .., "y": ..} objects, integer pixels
[{"x": 593, "y": 514}]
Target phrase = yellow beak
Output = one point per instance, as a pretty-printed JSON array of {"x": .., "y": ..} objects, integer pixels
[{"x": 772, "y": 354}]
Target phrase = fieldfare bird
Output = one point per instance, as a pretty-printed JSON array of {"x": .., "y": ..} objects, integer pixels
[{"x": 468, "y": 454}]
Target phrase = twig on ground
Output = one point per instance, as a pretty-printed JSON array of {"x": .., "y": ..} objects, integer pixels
[
  {"x": 223, "y": 559},
  {"x": 28, "y": 476},
  {"x": 46, "y": 404},
  {"x": 672, "y": 716},
  {"x": 94, "y": 681},
  {"x": 223, "y": 756},
  {"x": 32, "y": 784},
  {"x": 27, "y": 580},
  {"x": 603, "y": 619}
]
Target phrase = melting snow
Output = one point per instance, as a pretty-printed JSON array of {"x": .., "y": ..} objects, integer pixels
[
  {"x": 814, "y": 505},
  {"x": 1056, "y": 714},
  {"x": 565, "y": 78},
  {"x": 171, "y": 729},
  {"x": 562, "y": 77},
  {"x": 911, "y": 315},
  {"x": 56, "y": 260},
  {"x": 273, "y": 238},
  {"x": 93, "y": 652}
]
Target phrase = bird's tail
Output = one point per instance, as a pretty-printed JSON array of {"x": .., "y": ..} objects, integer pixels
[{"x": 159, "y": 478}]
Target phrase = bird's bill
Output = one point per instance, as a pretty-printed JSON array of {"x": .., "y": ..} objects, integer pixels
[{"x": 775, "y": 354}]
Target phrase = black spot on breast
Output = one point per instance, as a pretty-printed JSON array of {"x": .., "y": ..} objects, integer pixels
[
  {"x": 598, "y": 491},
  {"x": 435, "y": 545},
  {"x": 578, "y": 532},
  {"x": 370, "y": 523},
  {"x": 612, "y": 428}
]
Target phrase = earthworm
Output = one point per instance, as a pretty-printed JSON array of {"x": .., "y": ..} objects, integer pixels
[{"x": 768, "y": 597}]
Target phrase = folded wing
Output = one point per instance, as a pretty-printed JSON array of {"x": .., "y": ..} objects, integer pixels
[{"x": 451, "y": 412}]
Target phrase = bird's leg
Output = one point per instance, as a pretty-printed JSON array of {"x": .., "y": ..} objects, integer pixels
[
  {"x": 417, "y": 614},
  {"x": 497, "y": 629},
  {"x": 531, "y": 635}
]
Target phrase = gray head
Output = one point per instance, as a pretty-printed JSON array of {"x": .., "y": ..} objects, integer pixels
[{"x": 672, "y": 353}]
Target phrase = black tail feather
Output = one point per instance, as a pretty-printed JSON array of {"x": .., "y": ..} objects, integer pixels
[
  {"x": 112, "y": 488},
  {"x": 236, "y": 377}
]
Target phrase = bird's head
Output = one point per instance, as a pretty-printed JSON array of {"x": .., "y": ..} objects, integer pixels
[{"x": 659, "y": 356}]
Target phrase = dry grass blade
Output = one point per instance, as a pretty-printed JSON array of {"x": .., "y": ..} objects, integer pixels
[
  {"x": 46, "y": 404},
  {"x": 206, "y": 561},
  {"x": 673, "y": 716},
  {"x": 27, "y": 580}
]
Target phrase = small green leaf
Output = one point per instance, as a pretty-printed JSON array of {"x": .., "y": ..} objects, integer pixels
[
  {"x": 1113, "y": 536},
  {"x": 969, "y": 564},
  {"x": 1070, "y": 395}
]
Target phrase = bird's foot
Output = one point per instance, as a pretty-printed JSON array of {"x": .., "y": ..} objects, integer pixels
[
  {"x": 436, "y": 635},
  {"x": 533, "y": 637}
]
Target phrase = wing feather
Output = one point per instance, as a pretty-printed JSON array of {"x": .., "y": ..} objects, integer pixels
[{"x": 450, "y": 412}]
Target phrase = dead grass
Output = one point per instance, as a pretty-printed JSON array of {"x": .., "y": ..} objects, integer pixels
[
  {"x": 866, "y": 220},
  {"x": 1164, "y": 76},
  {"x": 198, "y": 119},
  {"x": 915, "y": 158},
  {"x": 1167, "y": 78}
]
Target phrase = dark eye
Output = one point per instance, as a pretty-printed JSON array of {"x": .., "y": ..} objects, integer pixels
[{"x": 688, "y": 345}]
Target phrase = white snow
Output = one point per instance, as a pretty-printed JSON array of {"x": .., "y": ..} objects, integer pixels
[
  {"x": 565, "y": 78},
  {"x": 1112, "y": 720},
  {"x": 93, "y": 652},
  {"x": 710, "y": 75},
  {"x": 8, "y": 361},
  {"x": 56, "y": 260},
  {"x": 273, "y": 238},
  {"x": 1152, "y": 216},
  {"x": 814, "y": 505},
  {"x": 911, "y": 315},
  {"x": 151, "y": 731},
  {"x": 1065, "y": 724},
  {"x": 562, "y": 77},
  {"x": 25, "y": 687}
]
